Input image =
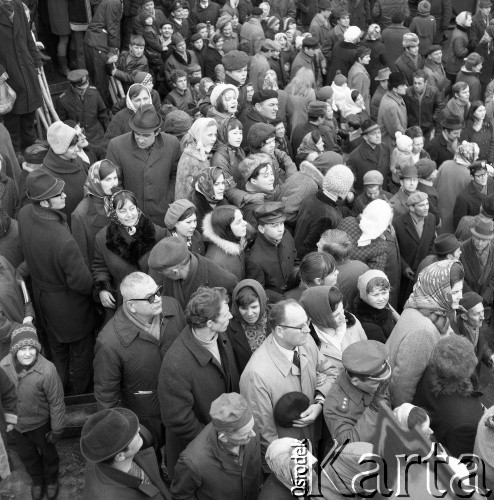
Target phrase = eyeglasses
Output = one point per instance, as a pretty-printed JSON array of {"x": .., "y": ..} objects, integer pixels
[
  {"x": 300, "y": 328},
  {"x": 153, "y": 296}
]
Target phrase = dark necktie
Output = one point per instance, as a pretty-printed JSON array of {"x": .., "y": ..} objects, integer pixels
[{"x": 296, "y": 359}]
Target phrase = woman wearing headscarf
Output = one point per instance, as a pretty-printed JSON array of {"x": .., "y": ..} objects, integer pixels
[
  {"x": 311, "y": 143},
  {"x": 247, "y": 329},
  {"x": 378, "y": 59},
  {"x": 372, "y": 307},
  {"x": 181, "y": 222},
  {"x": 332, "y": 328},
  {"x": 458, "y": 47},
  {"x": 198, "y": 142},
  {"x": 209, "y": 191},
  {"x": 424, "y": 320},
  {"x": 137, "y": 95},
  {"x": 453, "y": 177},
  {"x": 445, "y": 391},
  {"x": 121, "y": 248},
  {"x": 91, "y": 215}
]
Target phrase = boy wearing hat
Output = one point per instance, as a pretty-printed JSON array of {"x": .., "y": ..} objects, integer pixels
[
  {"x": 118, "y": 465},
  {"x": 470, "y": 199},
  {"x": 235, "y": 63},
  {"x": 305, "y": 56},
  {"x": 373, "y": 190},
  {"x": 470, "y": 74},
  {"x": 40, "y": 409},
  {"x": 352, "y": 404},
  {"x": 61, "y": 281},
  {"x": 224, "y": 460},
  {"x": 392, "y": 114},
  {"x": 264, "y": 111},
  {"x": 415, "y": 231},
  {"x": 130, "y": 62},
  {"x": 273, "y": 254},
  {"x": 82, "y": 103},
  {"x": 252, "y": 33},
  {"x": 427, "y": 171},
  {"x": 408, "y": 185}
]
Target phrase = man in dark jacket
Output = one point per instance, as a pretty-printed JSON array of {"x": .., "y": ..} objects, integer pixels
[
  {"x": 204, "y": 12},
  {"x": 83, "y": 104},
  {"x": 423, "y": 103},
  {"x": 62, "y": 283},
  {"x": 197, "y": 369},
  {"x": 371, "y": 154},
  {"x": 130, "y": 348},
  {"x": 415, "y": 232},
  {"x": 410, "y": 61},
  {"x": 148, "y": 159},
  {"x": 224, "y": 460},
  {"x": 181, "y": 271},
  {"x": 118, "y": 463},
  {"x": 443, "y": 146}
]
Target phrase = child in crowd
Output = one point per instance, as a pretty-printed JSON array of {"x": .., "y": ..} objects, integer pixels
[
  {"x": 130, "y": 62},
  {"x": 400, "y": 157},
  {"x": 181, "y": 96}
]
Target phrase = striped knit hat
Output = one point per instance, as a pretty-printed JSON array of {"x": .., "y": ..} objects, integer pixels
[{"x": 24, "y": 336}]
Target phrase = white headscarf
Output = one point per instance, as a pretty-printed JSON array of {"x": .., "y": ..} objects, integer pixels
[{"x": 374, "y": 221}]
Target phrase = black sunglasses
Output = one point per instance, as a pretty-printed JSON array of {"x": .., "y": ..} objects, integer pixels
[{"x": 152, "y": 297}]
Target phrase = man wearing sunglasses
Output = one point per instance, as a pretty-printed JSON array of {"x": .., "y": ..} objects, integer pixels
[
  {"x": 130, "y": 348},
  {"x": 352, "y": 403}
]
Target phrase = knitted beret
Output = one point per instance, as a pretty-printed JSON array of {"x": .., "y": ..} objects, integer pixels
[
  {"x": 338, "y": 180},
  {"x": 403, "y": 142},
  {"x": 219, "y": 89},
  {"x": 259, "y": 133},
  {"x": 168, "y": 252},
  {"x": 235, "y": 60},
  {"x": 416, "y": 197},
  {"x": 177, "y": 122},
  {"x": 352, "y": 34},
  {"x": 339, "y": 78},
  {"x": 425, "y": 167},
  {"x": 59, "y": 137},
  {"x": 23, "y": 336},
  {"x": 175, "y": 211},
  {"x": 424, "y": 7}
]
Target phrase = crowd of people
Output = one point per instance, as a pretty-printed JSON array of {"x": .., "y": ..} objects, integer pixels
[{"x": 284, "y": 226}]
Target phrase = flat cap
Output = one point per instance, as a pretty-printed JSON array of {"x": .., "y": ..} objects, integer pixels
[
  {"x": 168, "y": 252},
  {"x": 373, "y": 177},
  {"x": 409, "y": 172},
  {"x": 317, "y": 108},
  {"x": 78, "y": 77},
  {"x": 425, "y": 167},
  {"x": 416, "y": 197},
  {"x": 270, "y": 213},
  {"x": 367, "y": 357},
  {"x": 230, "y": 412}
]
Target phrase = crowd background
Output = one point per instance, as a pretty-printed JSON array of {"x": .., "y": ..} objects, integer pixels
[{"x": 241, "y": 225}]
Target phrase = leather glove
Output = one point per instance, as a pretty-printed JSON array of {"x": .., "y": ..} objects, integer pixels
[{"x": 53, "y": 437}]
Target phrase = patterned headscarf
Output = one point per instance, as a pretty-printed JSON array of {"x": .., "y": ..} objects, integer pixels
[
  {"x": 196, "y": 133},
  {"x": 128, "y": 100},
  {"x": 467, "y": 153},
  {"x": 206, "y": 179},
  {"x": 112, "y": 214},
  {"x": 93, "y": 187}
]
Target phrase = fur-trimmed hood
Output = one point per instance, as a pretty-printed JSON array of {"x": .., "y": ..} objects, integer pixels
[
  {"x": 307, "y": 168},
  {"x": 229, "y": 247}
]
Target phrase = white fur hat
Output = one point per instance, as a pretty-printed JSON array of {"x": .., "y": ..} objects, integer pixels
[{"x": 60, "y": 136}]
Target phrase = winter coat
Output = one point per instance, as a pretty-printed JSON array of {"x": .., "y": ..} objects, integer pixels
[
  {"x": 312, "y": 212},
  {"x": 392, "y": 38},
  {"x": 251, "y": 36},
  {"x": 424, "y": 26},
  {"x": 377, "y": 323},
  {"x": 177, "y": 61},
  {"x": 410, "y": 346},
  {"x": 363, "y": 159},
  {"x": 102, "y": 481},
  {"x": 117, "y": 254},
  {"x": 267, "y": 377},
  {"x": 297, "y": 111},
  {"x": 103, "y": 32},
  {"x": 423, "y": 111},
  {"x": 477, "y": 29},
  {"x": 307, "y": 10},
  {"x": 62, "y": 284},
  {"x": 436, "y": 76},
  {"x": 379, "y": 59},
  {"x": 271, "y": 265},
  {"x": 91, "y": 113},
  {"x": 484, "y": 138},
  {"x": 343, "y": 58},
  {"x": 384, "y": 9},
  {"x": 439, "y": 150},
  {"x": 204, "y": 15},
  {"x": 39, "y": 395},
  {"x": 19, "y": 57},
  {"x": 302, "y": 60},
  {"x": 442, "y": 10},
  {"x": 9, "y": 200},
  {"x": 469, "y": 201},
  {"x": 407, "y": 67},
  {"x": 321, "y": 29},
  {"x": 359, "y": 79},
  {"x": 190, "y": 164},
  {"x": 452, "y": 179},
  {"x": 87, "y": 220},
  {"x": 73, "y": 173},
  {"x": 248, "y": 118},
  {"x": 127, "y": 67},
  {"x": 282, "y": 8},
  {"x": 454, "y": 417},
  {"x": 127, "y": 361},
  {"x": 211, "y": 59},
  {"x": 190, "y": 380},
  {"x": 227, "y": 254},
  {"x": 473, "y": 81},
  {"x": 203, "y": 207},
  {"x": 392, "y": 117},
  {"x": 377, "y": 96},
  {"x": 205, "y": 273},
  {"x": 206, "y": 470},
  {"x": 244, "y": 10},
  {"x": 119, "y": 125},
  {"x": 10, "y": 245},
  {"x": 457, "y": 51},
  {"x": 150, "y": 176},
  {"x": 349, "y": 272}
]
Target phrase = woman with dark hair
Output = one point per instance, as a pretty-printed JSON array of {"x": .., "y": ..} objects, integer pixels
[
  {"x": 445, "y": 391},
  {"x": 122, "y": 247},
  {"x": 181, "y": 221},
  {"x": 333, "y": 329},
  {"x": 315, "y": 269},
  {"x": 372, "y": 308},
  {"x": 225, "y": 231},
  {"x": 209, "y": 192},
  {"x": 247, "y": 329},
  {"x": 480, "y": 131},
  {"x": 424, "y": 320},
  {"x": 213, "y": 56},
  {"x": 91, "y": 215}
]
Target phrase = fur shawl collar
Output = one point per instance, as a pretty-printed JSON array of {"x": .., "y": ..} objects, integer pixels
[
  {"x": 307, "y": 168},
  {"x": 370, "y": 314},
  {"x": 229, "y": 247},
  {"x": 142, "y": 242}
]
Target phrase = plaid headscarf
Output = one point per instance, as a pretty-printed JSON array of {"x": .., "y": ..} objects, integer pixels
[{"x": 467, "y": 153}]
